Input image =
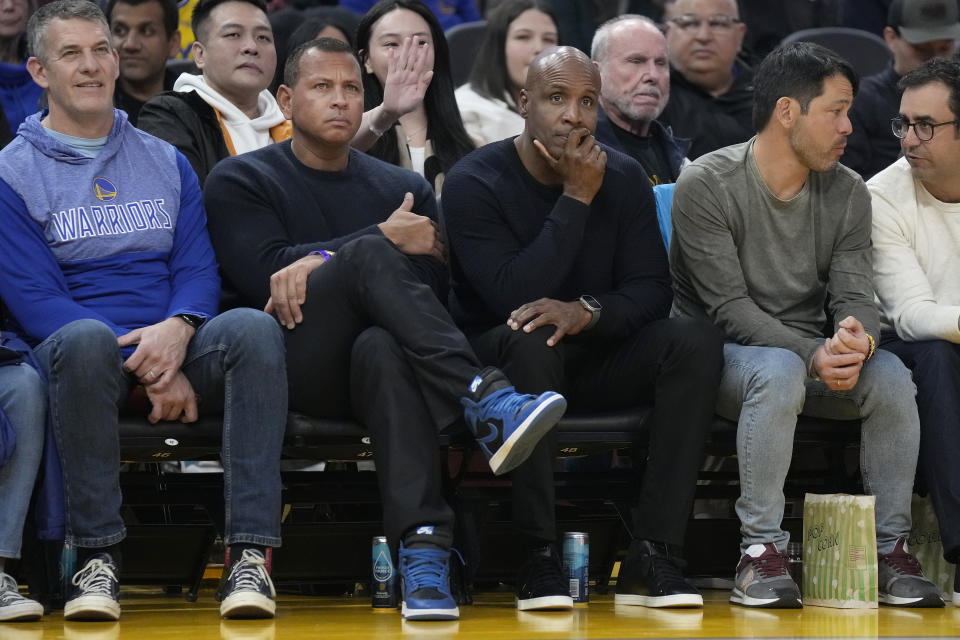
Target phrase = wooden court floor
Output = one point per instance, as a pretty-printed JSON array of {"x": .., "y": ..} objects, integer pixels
[{"x": 154, "y": 617}]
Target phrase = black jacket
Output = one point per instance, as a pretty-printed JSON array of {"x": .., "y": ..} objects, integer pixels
[
  {"x": 673, "y": 149},
  {"x": 872, "y": 146},
  {"x": 710, "y": 123},
  {"x": 126, "y": 102},
  {"x": 188, "y": 123}
]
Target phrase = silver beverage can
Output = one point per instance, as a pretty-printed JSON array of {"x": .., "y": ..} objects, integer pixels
[
  {"x": 383, "y": 580},
  {"x": 576, "y": 564}
]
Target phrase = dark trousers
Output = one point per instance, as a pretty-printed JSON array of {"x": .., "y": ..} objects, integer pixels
[
  {"x": 378, "y": 346},
  {"x": 672, "y": 364},
  {"x": 936, "y": 372}
]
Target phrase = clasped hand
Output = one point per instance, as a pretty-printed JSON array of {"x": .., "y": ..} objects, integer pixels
[
  {"x": 840, "y": 360},
  {"x": 161, "y": 349}
]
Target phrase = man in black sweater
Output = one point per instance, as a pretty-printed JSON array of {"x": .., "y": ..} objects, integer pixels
[
  {"x": 561, "y": 278},
  {"x": 368, "y": 337}
]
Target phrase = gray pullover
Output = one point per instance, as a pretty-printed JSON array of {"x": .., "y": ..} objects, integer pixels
[{"x": 762, "y": 268}]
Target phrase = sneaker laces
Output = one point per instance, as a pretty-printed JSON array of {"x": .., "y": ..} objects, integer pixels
[
  {"x": 96, "y": 577},
  {"x": 426, "y": 568},
  {"x": 545, "y": 572},
  {"x": 903, "y": 563},
  {"x": 9, "y": 591},
  {"x": 250, "y": 572},
  {"x": 665, "y": 569},
  {"x": 506, "y": 401},
  {"x": 772, "y": 565}
]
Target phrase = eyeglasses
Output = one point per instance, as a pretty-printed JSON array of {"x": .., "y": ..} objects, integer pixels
[
  {"x": 924, "y": 130},
  {"x": 719, "y": 22}
]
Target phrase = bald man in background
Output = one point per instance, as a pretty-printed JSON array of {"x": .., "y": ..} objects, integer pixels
[{"x": 631, "y": 54}]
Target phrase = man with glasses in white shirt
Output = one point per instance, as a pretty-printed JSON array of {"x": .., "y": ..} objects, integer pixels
[
  {"x": 916, "y": 237},
  {"x": 711, "y": 92}
]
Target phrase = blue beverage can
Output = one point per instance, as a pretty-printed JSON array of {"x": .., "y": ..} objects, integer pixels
[
  {"x": 576, "y": 564},
  {"x": 383, "y": 581}
]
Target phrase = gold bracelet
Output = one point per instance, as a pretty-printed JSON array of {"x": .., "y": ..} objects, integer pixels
[{"x": 873, "y": 347}]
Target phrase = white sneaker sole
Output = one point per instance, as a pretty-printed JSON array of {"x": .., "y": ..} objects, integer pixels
[
  {"x": 92, "y": 608},
  {"x": 429, "y": 614},
  {"x": 920, "y": 603},
  {"x": 522, "y": 441},
  {"x": 739, "y": 597},
  {"x": 248, "y": 604},
  {"x": 22, "y": 612},
  {"x": 544, "y": 602},
  {"x": 689, "y": 600},
  {"x": 956, "y": 599}
]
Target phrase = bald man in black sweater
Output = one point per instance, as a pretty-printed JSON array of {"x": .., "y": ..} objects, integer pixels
[{"x": 561, "y": 279}]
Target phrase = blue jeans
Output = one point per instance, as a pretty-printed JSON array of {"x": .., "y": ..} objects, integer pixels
[
  {"x": 766, "y": 388},
  {"x": 23, "y": 399},
  {"x": 235, "y": 363}
]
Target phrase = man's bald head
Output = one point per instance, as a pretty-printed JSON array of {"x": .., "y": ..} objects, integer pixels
[
  {"x": 559, "y": 60},
  {"x": 728, "y": 7},
  {"x": 562, "y": 94}
]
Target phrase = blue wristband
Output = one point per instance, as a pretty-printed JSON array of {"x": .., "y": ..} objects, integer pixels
[{"x": 323, "y": 254}]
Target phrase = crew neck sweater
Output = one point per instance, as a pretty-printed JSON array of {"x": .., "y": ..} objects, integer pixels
[{"x": 267, "y": 210}]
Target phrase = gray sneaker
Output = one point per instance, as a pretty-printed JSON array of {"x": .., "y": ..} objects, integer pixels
[
  {"x": 901, "y": 582},
  {"x": 13, "y": 606},
  {"x": 763, "y": 580}
]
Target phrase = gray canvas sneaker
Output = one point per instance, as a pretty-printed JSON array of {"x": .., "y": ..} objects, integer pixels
[
  {"x": 901, "y": 582},
  {"x": 14, "y": 606},
  {"x": 763, "y": 580}
]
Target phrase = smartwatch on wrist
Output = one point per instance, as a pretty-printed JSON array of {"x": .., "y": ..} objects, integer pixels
[
  {"x": 590, "y": 304},
  {"x": 192, "y": 320}
]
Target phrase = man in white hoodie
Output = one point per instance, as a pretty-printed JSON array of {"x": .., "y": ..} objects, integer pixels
[{"x": 227, "y": 110}]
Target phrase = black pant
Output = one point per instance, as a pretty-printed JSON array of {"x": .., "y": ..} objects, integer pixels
[
  {"x": 377, "y": 345},
  {"x": 936, "y": 372},
  {"x": 673, "y": 364}
]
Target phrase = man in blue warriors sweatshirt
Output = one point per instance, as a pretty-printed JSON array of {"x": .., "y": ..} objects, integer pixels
[{"x": 107, "y": 268}]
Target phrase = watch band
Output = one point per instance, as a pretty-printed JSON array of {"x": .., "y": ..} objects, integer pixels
[
  {"x": 191, "y": 319},
  {"x": 590, "y": 304}
]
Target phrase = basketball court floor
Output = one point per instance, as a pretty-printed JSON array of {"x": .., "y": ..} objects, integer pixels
[{"x": 151, "y": 616}]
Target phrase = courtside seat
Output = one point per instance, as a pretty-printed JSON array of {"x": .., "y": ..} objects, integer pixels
[{"x": 309, "y": 438}]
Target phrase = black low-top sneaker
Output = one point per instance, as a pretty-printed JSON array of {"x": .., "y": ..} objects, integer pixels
[
  {"x": 15, "y": 607},
  {"x": 94, "y": 591},
  {"x": 901, "y": 582},
  {"x": 249, "y": 591},
  {"x": 652, "y": 577},
  {"x": 541, "y": 583}
]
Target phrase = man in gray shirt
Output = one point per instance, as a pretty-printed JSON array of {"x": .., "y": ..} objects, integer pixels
[{"x": 765, "y": 233}]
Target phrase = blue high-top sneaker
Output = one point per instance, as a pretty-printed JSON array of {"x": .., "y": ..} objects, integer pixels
[
  {"x": 425, "y": 584},
  {"x": 508, "y": 425}
]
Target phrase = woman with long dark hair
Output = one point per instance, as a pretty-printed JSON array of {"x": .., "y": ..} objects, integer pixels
[
  {"x": 516, "y": 32},
  {"x": 403, "y": 38}
]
